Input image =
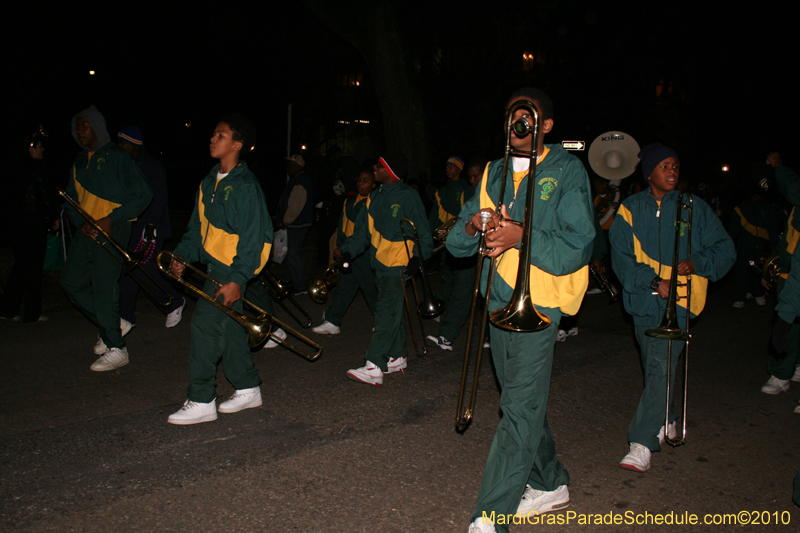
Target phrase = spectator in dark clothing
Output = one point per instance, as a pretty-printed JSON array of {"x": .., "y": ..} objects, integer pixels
[
  {"x": 31, "y": 211},
  {"x": 148, "y": 233},
  {"x": 295, "y": 214}
]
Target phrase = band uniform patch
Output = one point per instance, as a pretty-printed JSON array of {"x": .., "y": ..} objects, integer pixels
[
  {"x": 548, "y": 186},
  {"x": 395, "y": 210}
]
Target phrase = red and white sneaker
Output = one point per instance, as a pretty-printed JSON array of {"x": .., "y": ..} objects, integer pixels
[
  {"x": 638, "y": 459},
  {"x": 370, "y": 374},
  {"x": 396, "y": 364}
]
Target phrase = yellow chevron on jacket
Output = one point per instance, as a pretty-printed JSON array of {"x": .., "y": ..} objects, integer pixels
[
  {"x": 388, "y": 253},
  {"x": 347, "y": 224},
  {"x": 752, "y": 229},
  {"x": 220, "y": 244},
  {"x": 792, "y": 235},
  {"x": 556, "y": 292},
  {"x": 94, "y": 205},
  {"x": 444, "y": 216},
  {"x": 699, "y": 283}
]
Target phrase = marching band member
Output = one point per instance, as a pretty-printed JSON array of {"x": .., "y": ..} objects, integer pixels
[
  {"x": 112, "y": 190},
  {"x": 231, "y": 232},
  {"x": 523, "y": 474},
  {"x": 783, "y": 363},
  {"x": 361, "y": 277},
  {"x": 377, "y": 231},
  {"x": 642, "y": 244}
]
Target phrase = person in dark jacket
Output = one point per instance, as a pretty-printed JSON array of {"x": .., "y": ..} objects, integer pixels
[
  {"x": 148, "y": 234},
  {"x": 31, "y": 211},
  {"x": 295, "y": 213}
]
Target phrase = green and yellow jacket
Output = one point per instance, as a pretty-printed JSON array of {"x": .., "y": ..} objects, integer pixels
[
  {"x": 353, "y": 205},
  {"x": 450, "y": 199},
  {"x": 562, "y": 236},
  {"x": 788, "y": 307},
  {"x": 642, "y": 244},
  {"x": 230, "y": 227},
  {"x": 107, "y": 183},
  {"x": 378, "y": 228}
]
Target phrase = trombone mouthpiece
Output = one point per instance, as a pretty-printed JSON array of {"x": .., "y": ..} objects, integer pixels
[{"x": 485, "y": 217}]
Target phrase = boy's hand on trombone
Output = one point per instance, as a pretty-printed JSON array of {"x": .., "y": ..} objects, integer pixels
[
  {"x": 506, "y": 234},
  {"x": 231, "y": 292},
  {"x": 177, "y": 268},
  {"x": 685, "y": 267}
]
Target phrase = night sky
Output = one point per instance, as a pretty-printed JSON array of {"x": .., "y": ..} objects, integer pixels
[{"x": 162, "y": 65}]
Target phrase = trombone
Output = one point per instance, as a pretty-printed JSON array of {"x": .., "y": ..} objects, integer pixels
[
  {"x": 319, "y": 287},
  {"x": 128, "y": 262},
  {"x": 668, "y": 328},
  {"x": 603, "y": 283},
  {"x": 258, "y": 329},
  {"x": 430, "y": 307},
  {"x": 280, "y": 292},
  {"x": 520, "y": 314}
]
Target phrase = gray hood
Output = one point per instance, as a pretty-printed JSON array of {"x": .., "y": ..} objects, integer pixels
[{"x": 98, "y": 123}]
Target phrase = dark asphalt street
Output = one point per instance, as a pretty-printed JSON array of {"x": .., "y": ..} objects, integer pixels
[{"x": 86, "y": 451}]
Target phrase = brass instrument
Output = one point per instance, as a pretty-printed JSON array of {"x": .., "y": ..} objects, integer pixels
[
  {"x": 604, "y": 204},
  {"x": 318, "y": 287},
  {"x": 430, "y": 307},
  {"x": 280, "y": 292},
  {"x": 440, "y": 235},
  {"x": 603, "y": 283},
  {"x": 669, "y": 328},
  {"x": 258, "y": 329},
  {"x": 128, "y": 262},
  {"x": 520, "y": 314},
  {"x": 769, "y": 268}
]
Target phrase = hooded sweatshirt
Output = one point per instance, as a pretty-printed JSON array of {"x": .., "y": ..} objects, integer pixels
[{"x": 104, "y": 180}]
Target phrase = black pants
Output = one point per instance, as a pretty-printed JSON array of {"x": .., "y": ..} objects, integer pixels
[{"x": 25, "y": 281}]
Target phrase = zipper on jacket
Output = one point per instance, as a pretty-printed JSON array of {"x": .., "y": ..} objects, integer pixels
[{"x": 208, "y": 223}]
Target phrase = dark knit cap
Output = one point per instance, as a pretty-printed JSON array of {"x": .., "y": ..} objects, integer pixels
[
  {"x": 130, "y": 134},
  {"x": 653, "y": 154},
  {"x": 396, "y": 164}
]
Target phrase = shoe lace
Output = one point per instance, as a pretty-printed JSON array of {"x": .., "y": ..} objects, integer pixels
[
  {"x": 531, "y": 493},
  {"x": 189, "y": 405}
]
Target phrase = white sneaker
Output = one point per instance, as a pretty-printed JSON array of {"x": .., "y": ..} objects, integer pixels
[
  {"x": 327, "y": 328},
  {"x": 562, "y": 335},
  {"x": 174, "y": 318},
  {"x": 124, "y": 327},
  {"x": 573, "y": 331},
  {"x": 194, "y": 413},
  {"x": 487, "y": 343},
  {"x": 481, "y": 526},
  {"x": 672, "y": 432},
  {"x": 738, "y": 305},
  {"x": 241, "y": 399},
  {"x": 271, "y": 343},
  {"x": 113, "y": 358},
  {"x": 796, "y": 376},
  {"x": 369, "y": 374},
  {"x": 638, "y": 459},
  {"x": 776, "y": 386},
  {"x": 441, "y": 342},
  {"x": 535, "y": 502},
  {"x": 595, "y": 291},
  {"x": 761, "y": 300},
  {"x": 396, "y": 364}
]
